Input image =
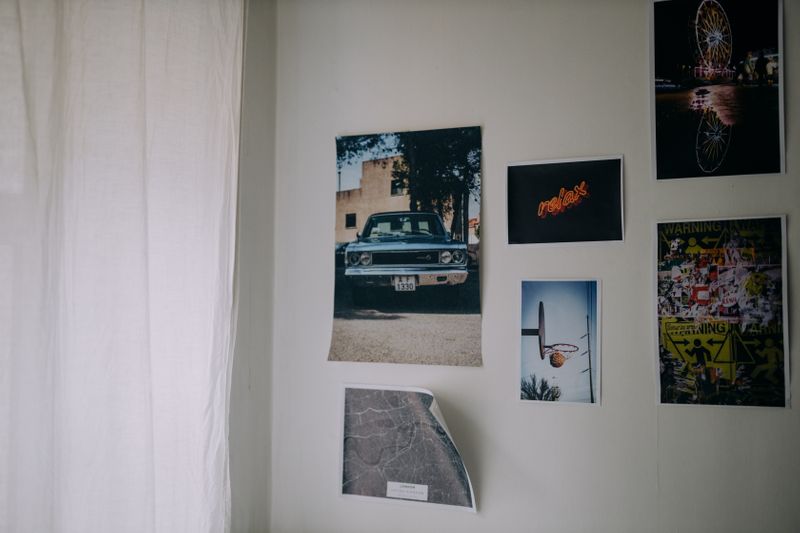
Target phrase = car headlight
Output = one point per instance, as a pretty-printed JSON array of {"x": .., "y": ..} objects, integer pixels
[
  {"x": 445, "y": 257},
  {"x": 458, "y": 256},
  {"x": 353, "y": 258},
  {"x": 365, "y": 258}
]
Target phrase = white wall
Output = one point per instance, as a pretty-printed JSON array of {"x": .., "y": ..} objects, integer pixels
[
  {"x": 250, "y": 418},
  {"x": 545, "y": 79}
]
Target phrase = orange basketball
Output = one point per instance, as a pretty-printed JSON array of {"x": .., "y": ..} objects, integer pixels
[{"x": 557, "y": 359}]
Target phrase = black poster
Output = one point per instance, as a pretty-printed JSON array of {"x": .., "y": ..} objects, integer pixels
[
  {"x": 717, "y": 88},
  {"x": 565, "y": 201}
]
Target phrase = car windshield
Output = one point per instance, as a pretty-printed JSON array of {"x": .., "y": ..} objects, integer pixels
[{"x": 402, "y": 224}]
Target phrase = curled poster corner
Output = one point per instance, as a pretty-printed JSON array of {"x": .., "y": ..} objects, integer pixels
[{"x": 396, "y": 446}]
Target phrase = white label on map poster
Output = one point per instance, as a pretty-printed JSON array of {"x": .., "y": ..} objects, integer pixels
[{"x": 407, "y": 491}]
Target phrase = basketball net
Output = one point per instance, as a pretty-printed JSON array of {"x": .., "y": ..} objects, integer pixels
[{"x": 559, "y": 353}]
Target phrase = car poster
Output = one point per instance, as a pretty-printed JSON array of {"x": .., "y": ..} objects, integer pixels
[
  {"x": 717, "y": 88},
  {"x": 568, "y": 200},
  {"x": 560, "y": 343},
  {"x": 721, "y": 305},
  {"x": 407, "y": 259},
  {"x": 396, "y": 447}
]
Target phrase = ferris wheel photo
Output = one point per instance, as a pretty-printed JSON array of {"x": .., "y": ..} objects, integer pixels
[{"x": 717, "y": 88}]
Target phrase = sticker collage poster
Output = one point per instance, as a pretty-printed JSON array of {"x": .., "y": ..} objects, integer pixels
[{"x": 721, "y": 306}]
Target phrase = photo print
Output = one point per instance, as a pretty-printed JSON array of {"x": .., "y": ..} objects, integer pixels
[
  {"x": 396, "y": 446},
  {"x": 560, "y": 343},
  {"x": 721, "y": 297},
  {"x": 717, "y": 88},
  {"x": 571, "y": 200},
  {"x": 407, "y": 260}
]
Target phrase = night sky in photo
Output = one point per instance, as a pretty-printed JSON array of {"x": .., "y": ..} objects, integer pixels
[{"x": 753, "y": 26}]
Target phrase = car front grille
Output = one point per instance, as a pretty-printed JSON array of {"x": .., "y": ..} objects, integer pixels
[{"x": 423, "y": 257}]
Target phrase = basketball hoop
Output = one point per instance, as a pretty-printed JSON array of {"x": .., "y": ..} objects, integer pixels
[{"x": 559, "y": 353}]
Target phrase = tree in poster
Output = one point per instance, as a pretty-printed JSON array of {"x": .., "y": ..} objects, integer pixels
[{"x": 534, "y": 388}]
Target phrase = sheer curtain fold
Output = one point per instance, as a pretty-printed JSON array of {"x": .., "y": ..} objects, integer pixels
[{"x": 118, "y": 165}]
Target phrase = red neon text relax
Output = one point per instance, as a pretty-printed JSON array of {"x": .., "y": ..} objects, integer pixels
[{"x": 558, "y": 204}]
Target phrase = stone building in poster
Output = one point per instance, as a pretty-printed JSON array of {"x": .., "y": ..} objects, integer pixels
[{"x": 378, "y": 192}]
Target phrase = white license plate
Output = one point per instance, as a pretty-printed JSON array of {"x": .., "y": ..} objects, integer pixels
[{"x": 404, "y": 283}]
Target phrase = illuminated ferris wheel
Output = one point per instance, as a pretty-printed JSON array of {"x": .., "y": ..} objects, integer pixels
[{"x": 713, "y": 33}]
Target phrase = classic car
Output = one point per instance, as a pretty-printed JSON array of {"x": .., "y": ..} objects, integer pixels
[{"x": 405, "y": 250}]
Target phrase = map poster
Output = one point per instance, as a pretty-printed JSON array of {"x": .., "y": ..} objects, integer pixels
[
  {"x": 560, "y": 361},
  {"x": 396, "y": 446},
  {"x": 721, "y": 307},
  {"x": 407, "y": 248},
  {"x": 571, "y": 200},
  {"x": 717, "y": 82}
]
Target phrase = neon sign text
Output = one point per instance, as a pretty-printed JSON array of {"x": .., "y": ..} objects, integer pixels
[{"x": 566, "y": 198}]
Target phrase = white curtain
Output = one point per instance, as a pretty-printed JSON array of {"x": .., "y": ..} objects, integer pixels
[{"x": 118, "y": 164}]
